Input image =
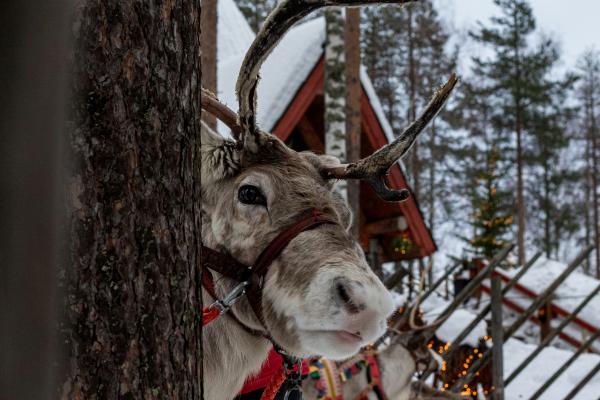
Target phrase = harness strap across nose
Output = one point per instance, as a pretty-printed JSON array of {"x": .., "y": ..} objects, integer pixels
[{"x": 233, "y": 269}]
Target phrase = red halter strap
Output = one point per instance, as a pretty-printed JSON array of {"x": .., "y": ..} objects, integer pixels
[{"x": 233, "y": 269}]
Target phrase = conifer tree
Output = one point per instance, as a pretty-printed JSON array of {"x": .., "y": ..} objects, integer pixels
[
  {"x": 518, "y": 81},
  {"x": 553, "y": 216},
  {"x": 492, "y": 219},
  {"x": 589, "y": 97},
  {"x": 256, "y": 11}
]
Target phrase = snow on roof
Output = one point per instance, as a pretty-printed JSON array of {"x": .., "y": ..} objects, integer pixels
[
  {"x": 284, "y": 71},
  {"x": 542, "y": 367},
  {"x": 234, "y": 34},
  {"x": 569, "y": 294}
]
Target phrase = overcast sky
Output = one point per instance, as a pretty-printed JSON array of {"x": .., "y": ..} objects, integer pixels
[{"x": 574, "y": 23}]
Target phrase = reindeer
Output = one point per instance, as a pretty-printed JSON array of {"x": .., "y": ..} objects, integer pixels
[{"x": 309, "y": 290}]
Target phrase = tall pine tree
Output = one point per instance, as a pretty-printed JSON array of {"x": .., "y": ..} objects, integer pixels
[
  {"x": 256, "y": 11},
  {"x": 589, "y": 98},
  {"x": 518, "y": 76}
]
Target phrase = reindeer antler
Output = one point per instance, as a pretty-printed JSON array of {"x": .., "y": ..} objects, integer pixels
[
  {"x": 374, "y": 168},
  {"x": 274, "y": 28},
  {"x": 210, "y": 103}
]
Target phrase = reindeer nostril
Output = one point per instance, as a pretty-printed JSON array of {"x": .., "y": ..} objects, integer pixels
[{"x": 344, "y": 296}]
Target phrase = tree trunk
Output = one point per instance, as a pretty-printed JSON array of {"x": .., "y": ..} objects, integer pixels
[
  {"x": 588, "y": 202},
  {"x": 594, "y": 151},
  {"x": 208, "y": 41},
  {"x": 546, "y": 211},
  {"x": 520, "y": 198},
  {"x": 353, "y": 120},
  {"x": 133, "y": 299},
  {"x": 335, "y": 91}
]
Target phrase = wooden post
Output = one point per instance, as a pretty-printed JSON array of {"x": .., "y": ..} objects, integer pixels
[
  {"x": 396, "y": 279},
  {"x": 564, "y": 366},
  {"x": 475, "y": 367},
  {"x": 551, "y": 336},
  {"x": 33, "y": 50},
  {"x": 208, "y": 45},
  {"x": 353, "y": 120},
  {"x": 545, "y": 318},
  {"x": 586, "y": 379},
  {"x": 374, "y": 256},
  {"x": 498, "y": 338}
]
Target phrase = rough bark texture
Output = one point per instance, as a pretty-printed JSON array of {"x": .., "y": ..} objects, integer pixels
[
  {"x": 353, "y": 120},
  {"x": 208, "y": 41},
  {"x": 335, "y": 87},
  {"x": 132, "y": 326}
]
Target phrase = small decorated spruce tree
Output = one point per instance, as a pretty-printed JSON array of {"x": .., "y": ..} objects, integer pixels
[{"x": 492, "y": 218}]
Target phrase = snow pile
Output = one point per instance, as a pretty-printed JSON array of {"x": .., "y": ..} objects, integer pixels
[{"x": 543, "y": 367}]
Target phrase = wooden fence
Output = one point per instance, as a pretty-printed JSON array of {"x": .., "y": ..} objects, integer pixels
[{"x": 499, "y": 285}]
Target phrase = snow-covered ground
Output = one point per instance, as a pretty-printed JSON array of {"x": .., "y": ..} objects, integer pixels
[{"x": 543, "y": 367}]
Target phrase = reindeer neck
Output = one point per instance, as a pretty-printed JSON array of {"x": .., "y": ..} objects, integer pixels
[
  {"x": 397, "y": 368},
  {"x": 231, "y": 354}
]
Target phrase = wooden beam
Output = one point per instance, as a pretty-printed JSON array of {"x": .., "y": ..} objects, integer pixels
[
  {"x": 208, "y": 48},
  {"x": 353, "y": 119},
  {"x": 309, "y": 134},
  {"x": 498, "y": 337},
  {"x": 387, "y": 225}
]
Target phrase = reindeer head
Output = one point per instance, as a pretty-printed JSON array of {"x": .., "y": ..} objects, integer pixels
[{"x": 319, "y": 295}]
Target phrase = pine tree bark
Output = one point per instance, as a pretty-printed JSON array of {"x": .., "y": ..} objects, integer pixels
[
  {"x": 133, "y": 296},
  {"x": 208, "y": 41}
]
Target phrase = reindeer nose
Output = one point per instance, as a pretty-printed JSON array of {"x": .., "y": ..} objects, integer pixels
[{"x": 344, "y": 295}]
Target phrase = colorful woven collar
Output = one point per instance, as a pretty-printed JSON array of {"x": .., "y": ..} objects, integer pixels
[
  {"x": 329, "y": 376},
  {"x": 327, "y": 384}
]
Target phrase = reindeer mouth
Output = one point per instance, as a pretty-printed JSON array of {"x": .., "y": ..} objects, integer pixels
[{"x": 342, "y": 335}]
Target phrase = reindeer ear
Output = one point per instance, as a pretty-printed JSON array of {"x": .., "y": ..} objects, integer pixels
[
  {"x": 326, "y": 161},
  {"x": 321, "y": 162},
  {"x": 220, "y": 156}
]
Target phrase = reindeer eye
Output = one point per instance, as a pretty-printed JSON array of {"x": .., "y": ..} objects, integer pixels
[{"x": 249, "y": 194}]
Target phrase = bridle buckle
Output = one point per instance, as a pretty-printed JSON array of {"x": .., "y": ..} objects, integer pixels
[{"x": 231, "y": 298}]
